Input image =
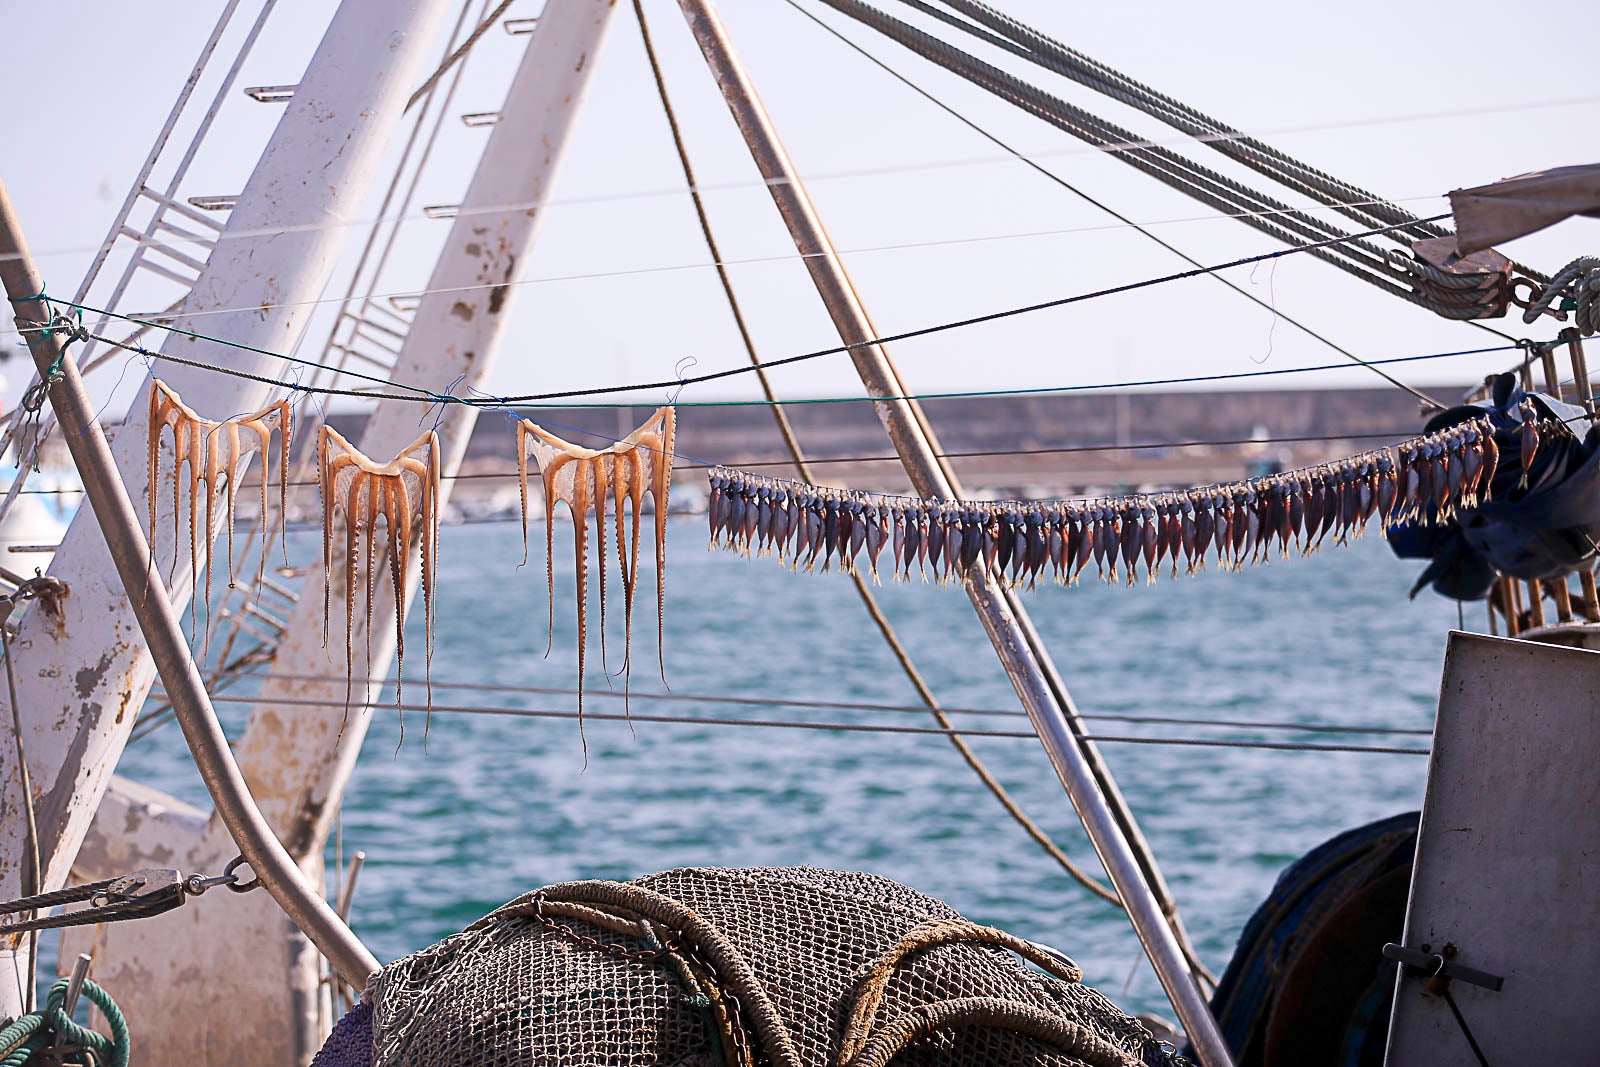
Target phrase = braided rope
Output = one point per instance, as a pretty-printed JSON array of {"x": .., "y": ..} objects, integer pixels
[
  {"x": 873, "y": 986},
  {"x": 24, "y": 1037},
  {"x": 1075, "y": 1040}
]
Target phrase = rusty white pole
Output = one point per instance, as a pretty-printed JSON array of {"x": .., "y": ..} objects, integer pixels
[
  {"x": 158, "y": 621},
  {"x": 298, "y": 759},
  {"x": 1010, "y": 638}
]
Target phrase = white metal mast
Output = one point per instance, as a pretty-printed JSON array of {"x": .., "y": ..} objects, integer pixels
[
  {"x": 298, "y": 759},
  {"x": 81, "y": 678}
]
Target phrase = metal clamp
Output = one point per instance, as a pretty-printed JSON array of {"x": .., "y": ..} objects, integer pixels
[
  {"x": 139, "y": 895},
  {"x": 1436, "y": 966},
  {"x": 196, "y": 884}
]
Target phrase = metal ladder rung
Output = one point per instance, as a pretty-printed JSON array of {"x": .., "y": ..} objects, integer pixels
[
  {"x": 241, "y": 623},
  {"x": 403, "y": 317},
  {"x": 271, "y": 94},
  {"x": 517, "y": 27},
  {"x": 356, "y": 353},
  {"x": 183, "y": 209},
  {"x": 148, "y": 241},
  {"x": 214, "y": 203},
  {"x": 279, "y": 626},
  {"x": 388, "y": 331},
  {"x": 405, "y": 305},
  {"x": 481, "y": 118},
  {"x": 188, "y": 235},
  {"x": 441, "y": 211},
  {"x": 171, "y": 275},
  {"x": 281, "y": 592}
]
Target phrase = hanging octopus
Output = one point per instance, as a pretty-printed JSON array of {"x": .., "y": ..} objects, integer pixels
[
  {"x": 404, "y": 494},
  {"x": 214, "y": 452},
  {"x": 585, "y": 478}
]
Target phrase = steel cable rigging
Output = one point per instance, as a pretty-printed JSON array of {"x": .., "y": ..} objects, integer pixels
[{"x": 1353, "y": 254}]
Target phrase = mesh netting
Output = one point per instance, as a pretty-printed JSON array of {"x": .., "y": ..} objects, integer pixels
[{"x": 793, "y": 967}]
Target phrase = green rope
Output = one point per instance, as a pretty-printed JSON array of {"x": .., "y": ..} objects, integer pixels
[{"x": 36, "y": 1031}]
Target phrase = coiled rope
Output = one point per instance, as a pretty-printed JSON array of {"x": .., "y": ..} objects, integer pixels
[
  {"x": 32, "y": 1033},
  {"x": 1577, "y": 286}
]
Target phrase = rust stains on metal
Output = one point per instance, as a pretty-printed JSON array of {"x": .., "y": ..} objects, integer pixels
[
  {"x": 87, "y": 678},
  {"x": 497, "y": 295},
  {"x": 462, "y": 310}
]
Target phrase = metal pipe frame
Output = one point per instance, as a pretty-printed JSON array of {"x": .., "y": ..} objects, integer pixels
[
  {"x": 158, "y": 621},
  {"x": 909, "y": 434}
]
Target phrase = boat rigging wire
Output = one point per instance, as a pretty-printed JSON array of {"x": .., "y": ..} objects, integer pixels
[
  {"x": 544, "y": 203},
  {"x": 245, "y": 486},
  {"x": 1195, "y": 180},
  {"x": 1093, "y": 201},
  {"x": 853, "y": 705},
  {"x": 429, "y": 396},
  {"x": 1022, "y": 40},
  {"x": 504, "y": 403},
  {"x": 1364, "y": 260},
  {"x": 841, "y": 727}
]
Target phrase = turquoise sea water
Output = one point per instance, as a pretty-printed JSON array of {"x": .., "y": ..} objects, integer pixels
[{"x": 497, "y": 805}]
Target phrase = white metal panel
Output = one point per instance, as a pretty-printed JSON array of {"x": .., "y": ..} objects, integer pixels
[{"x": 1508, "y": 858}]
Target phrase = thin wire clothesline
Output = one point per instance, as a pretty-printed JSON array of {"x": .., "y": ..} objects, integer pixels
[
  {"x": 505, "y": 404},
  {"x": 838, "y": 460}
]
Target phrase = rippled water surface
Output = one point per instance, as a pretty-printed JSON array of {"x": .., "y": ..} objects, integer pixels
[{"x": 498, "y": 805}]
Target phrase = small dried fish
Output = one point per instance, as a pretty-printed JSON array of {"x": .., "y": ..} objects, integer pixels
[{"x": 1427, "y": 479}]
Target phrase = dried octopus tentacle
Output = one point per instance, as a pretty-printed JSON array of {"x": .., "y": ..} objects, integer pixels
[
  {"x": 352, "y": 532},
  {"x": 625, "y": 472},
  {"x": 597, "y": 467},
  {"x": 213, "y": 451},
  {"x": 366, "y": 492},
  {"x": 398, "y": 513},
  {"x": 549, "y": 471},
  {"x": 623, "y": 477},
  {"x": 580, "y": 537},
  {"x": 231, "y": 498},
  {"x": 376, "y": 500},
  {"x": 660, "y": 487}
]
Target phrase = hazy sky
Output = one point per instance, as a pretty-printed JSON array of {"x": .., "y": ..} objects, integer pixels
[{"x": 1409, "y": 100}]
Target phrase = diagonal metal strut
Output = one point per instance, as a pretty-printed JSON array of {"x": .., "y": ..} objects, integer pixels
[{"x": 1040, "y": 687}]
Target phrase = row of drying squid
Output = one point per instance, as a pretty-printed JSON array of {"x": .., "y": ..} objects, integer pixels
[
  {"x": 1427, "y": 479},
  {"x": 383, "y": 516}
]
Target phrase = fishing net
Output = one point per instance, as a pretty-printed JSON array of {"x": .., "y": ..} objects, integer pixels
[{"x": 792, "y": 967}]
